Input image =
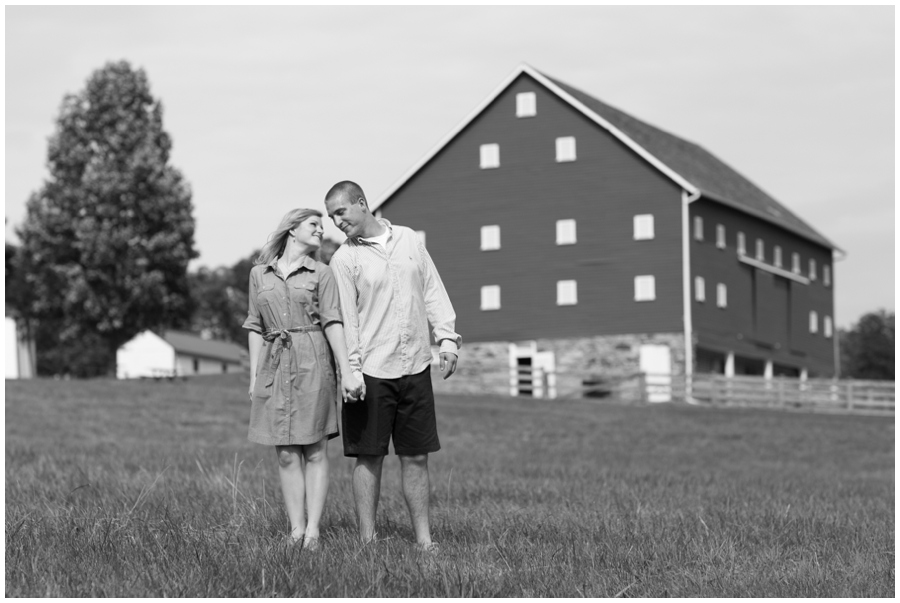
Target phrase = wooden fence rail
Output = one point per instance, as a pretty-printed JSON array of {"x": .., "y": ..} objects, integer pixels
[{"x": 747, "y": 391}]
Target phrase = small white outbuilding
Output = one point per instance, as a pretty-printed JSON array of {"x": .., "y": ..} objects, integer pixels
[
  {"x": 176, "y": 354},
  {"x": 19, "y": 350}
]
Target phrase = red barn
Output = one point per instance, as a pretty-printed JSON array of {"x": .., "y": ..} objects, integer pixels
[{"x": 572, "y": 235}]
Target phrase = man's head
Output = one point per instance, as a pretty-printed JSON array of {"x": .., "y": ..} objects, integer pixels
[{"x": 347, "y": 207}]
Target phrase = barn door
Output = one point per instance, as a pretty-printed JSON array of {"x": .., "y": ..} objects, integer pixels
[{"x": 656, "y": 364}]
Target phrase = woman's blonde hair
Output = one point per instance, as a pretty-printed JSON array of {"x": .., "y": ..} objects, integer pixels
[{"x": 275, "y": 245}]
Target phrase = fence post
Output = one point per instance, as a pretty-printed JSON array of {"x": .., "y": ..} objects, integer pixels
[
  {"x": 781, "y": 392},
  {"x": 642, "y": 387}
]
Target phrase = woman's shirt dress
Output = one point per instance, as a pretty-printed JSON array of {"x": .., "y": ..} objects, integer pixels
[{"x": 294, "y": 400}]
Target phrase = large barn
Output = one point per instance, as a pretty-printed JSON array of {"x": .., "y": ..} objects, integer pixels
[{"x": 574, "y": 236}]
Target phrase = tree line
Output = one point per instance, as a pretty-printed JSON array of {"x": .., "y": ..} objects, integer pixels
[{"x": 106, "y": 243}]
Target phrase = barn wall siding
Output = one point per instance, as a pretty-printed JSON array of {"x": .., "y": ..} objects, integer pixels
[{"x": 450, "y": 198}]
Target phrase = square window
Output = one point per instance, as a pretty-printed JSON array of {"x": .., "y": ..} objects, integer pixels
[
  {"x": 741, "y": 244},
  {"x": 490, "y": 297},
  {"x": 827, "y": 327},
  {"x": 644, "y": 288},
  {"x": 421, "y": 235},
  {"x": 776, "y": 256},
  {"x": 795, "y": 263},
  {"x": 760, "y": 250},
  {"x": 526, "y": 104},
  {"x": 490, "y": 237},
  {"x": 826, "y": 275},
  {"x": 720, "y": 236},
  {"x": 565, "y": 232},
  {"x": 813, "y": 321},
  {"x": 643, "y": 227},
  {"x": 698, "y": 228},
  {"x": 721, "y": 295},
  {"x": 566, "y": 293},
  {"x": 812, "y": 269},
  {"x": 490, "y": 156},
  {"x": 565, "y": 149},
  {"x": 699, "y": 288}
]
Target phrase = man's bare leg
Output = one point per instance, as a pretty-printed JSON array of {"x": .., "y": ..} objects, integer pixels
[
  {"x": 366, "y": 489},
  {"x": 416, "y": 490}
]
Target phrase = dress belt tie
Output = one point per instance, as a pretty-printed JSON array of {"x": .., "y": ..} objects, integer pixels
[{"x": 286, "y": 341}]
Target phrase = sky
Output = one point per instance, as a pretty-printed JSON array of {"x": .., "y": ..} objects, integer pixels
[{"x": 268, "y": 107}]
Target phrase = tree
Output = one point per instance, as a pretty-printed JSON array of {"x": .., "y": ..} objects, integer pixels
[
  {"x": 867, "y": 349},
  {"x": 107, "y": 239}
]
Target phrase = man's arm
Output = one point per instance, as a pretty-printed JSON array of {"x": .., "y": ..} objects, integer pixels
[
  {"x": 440, "y": 314},
  {"x": 347, "y": 291}
]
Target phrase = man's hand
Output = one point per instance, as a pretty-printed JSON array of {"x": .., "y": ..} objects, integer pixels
[
  {"x": 448, "y": 364},
  {"x": 353, "y": 388}
]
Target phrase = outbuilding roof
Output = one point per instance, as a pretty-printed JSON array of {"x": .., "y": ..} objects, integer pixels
[
  {"x": 194, "y": 345},
  {"x": 691, "y": 166}
]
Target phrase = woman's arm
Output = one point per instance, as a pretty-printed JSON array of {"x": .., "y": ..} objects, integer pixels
[
  {"x": 255, "y": 343},
  {"x": 351, "y": 387}
]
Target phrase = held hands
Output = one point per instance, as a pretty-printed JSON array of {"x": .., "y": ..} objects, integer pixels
[
  {"x": 252, "y": 386},
  {"x": 448, "y": 364},
  {"x": 353, "y": 388}
]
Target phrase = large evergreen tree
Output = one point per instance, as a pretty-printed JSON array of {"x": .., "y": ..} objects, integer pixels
[{"x": 107, "y": 240}]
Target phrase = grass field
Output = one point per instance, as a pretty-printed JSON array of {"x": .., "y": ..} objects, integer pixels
[{"x": 151, "y": 489}]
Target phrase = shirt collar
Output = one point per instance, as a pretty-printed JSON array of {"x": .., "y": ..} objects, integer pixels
[
  {"x": 306, "y": 261},
  {"x": 384, "y": 223}
]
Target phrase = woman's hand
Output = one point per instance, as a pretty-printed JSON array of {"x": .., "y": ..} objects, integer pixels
[
  {"x": 252, "y": 386},
  {"x": 353, "y": 388}
]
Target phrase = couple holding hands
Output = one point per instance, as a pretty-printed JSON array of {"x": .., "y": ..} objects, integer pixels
[{"x": 368, "y": 313}]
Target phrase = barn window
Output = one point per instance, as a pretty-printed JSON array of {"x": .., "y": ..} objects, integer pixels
[
  {"x": 490, "y": 297},
  {"x": 224, "y": 368},
  {"x": 565, "y": 149},
  {"x": 720, "y": 236},
  {"x": 526, "y": 104},
  {"x": 721, "y": 295},
  {"x": 566, "y": 293},
  {"x": 795, "y": 263},
  {"x": 421, "y": 235},
  {"x": 698, "y": 228},
  {"x": 826, "y": 275},
  {"x": 644, "y": 288},
  {"x": 643, "y": 227},
  {"x": 776, "y": 256},
  {"x": 827, "y": 327},
  {"x": 699, "y": 288},
  {"x": 812, "y": 269},
  {"x": 565, "y": 232},
  {"x": 490, "y": 156},
  {"x": 490, "y": 237},
  {"x": 196, "y": 365},
  {"x": 741, "y": 244},
  {"x": 813, "y": 321}
]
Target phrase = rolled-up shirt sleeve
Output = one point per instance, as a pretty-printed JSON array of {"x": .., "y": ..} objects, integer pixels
[
  {"x": 253, "y": 322},
  {"x": 438, "y": 307},
  {"x": 329, "y": 297},
  {"x": 347, "y": 292}
]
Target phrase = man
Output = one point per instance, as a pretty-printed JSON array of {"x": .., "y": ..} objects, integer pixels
[{"x": 390, "y": 290}]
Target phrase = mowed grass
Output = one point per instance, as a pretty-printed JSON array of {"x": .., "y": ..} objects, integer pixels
[{"x": 151, "y": 489}]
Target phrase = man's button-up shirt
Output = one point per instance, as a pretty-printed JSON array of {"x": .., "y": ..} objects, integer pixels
[{"x": 389, "y": 294}]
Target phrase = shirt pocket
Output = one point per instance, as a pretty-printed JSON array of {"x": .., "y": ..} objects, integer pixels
[
  {"x": 306, "y": 293},
  {"x": 266, "y": 303}
]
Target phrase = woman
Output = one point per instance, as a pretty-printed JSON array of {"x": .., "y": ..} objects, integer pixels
[{"x": 292, "y": 379}]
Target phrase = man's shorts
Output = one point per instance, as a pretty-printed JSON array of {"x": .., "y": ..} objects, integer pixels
[{"x": 400, "y": 408}]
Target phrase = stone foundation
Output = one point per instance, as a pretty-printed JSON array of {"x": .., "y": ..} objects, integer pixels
[{"x": 484, "y": 366}]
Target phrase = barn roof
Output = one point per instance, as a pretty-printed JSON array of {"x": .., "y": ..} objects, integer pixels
[
  {"x": 194, "y": 345},
  {"x": 689, "y": 165}
]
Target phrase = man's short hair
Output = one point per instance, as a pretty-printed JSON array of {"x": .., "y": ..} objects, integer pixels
[{"x": 346, "y": 187}]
